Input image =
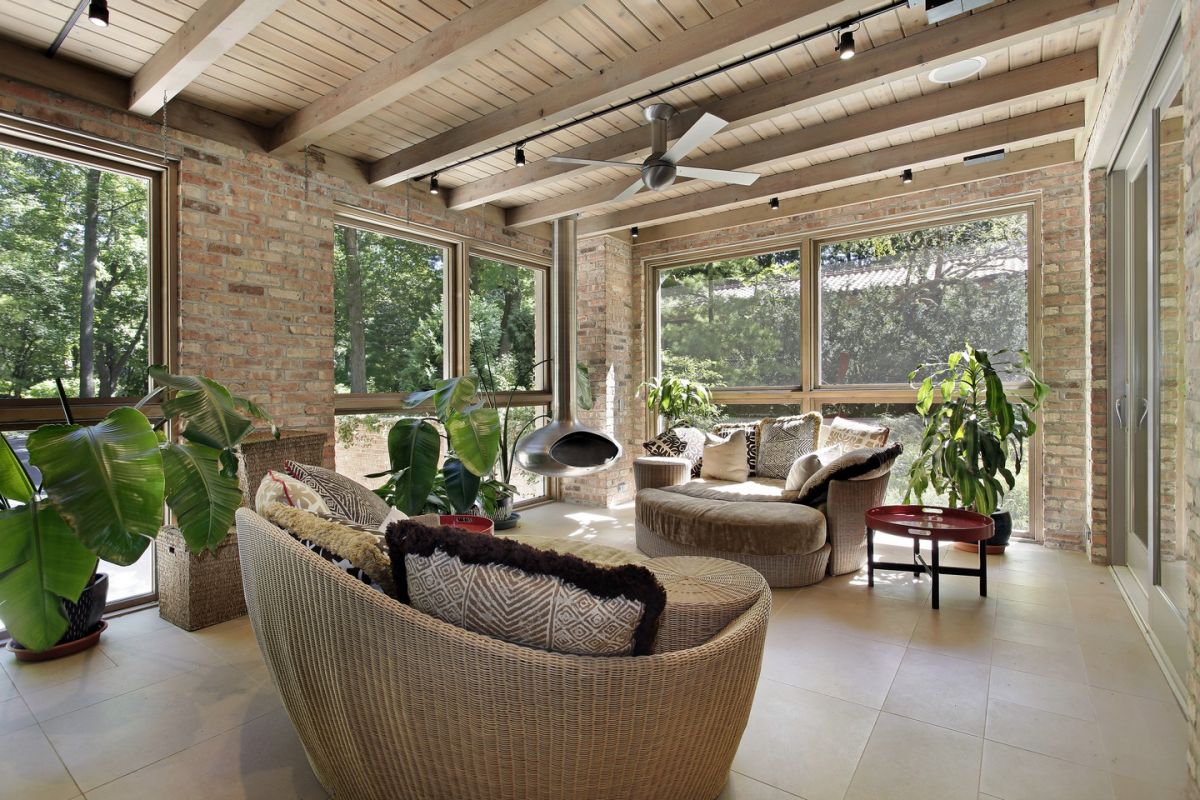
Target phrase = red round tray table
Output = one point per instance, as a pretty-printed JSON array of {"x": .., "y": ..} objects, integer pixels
[{"x": 936, "y": 525}]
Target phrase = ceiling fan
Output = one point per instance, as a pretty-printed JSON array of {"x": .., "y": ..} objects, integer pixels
[{"x": 661, "y": 167}]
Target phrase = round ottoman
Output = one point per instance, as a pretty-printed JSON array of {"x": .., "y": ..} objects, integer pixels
[
  {"x": 653, "y": 472},
  {"x": 704, "y": 595}
]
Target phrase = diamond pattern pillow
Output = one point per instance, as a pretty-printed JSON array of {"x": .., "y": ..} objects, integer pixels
[
  {"x": 725, "y": 429},
  {"x": 784, "y": 439},
  {"x": 345, "y": 498},
  {"x": 536, "y": 598}
]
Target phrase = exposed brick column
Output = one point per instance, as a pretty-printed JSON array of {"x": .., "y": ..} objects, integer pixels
[{"x": 1097, "y": 252}]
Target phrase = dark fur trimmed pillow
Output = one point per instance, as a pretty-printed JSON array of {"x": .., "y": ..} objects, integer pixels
[
  {"x": 867, "y": 462},
  {"x": 531, "y": 597}
]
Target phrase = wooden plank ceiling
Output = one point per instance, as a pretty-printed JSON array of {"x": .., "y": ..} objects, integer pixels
[{"x": 409, "y": 86}]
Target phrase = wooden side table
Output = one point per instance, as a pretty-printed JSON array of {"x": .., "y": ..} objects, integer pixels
[{"x": 937, "y": 525}]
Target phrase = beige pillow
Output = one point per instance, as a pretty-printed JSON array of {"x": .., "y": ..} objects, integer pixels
[
  {"x": 847, "y": 434},
  {"x": 725, "y": 459},
  {"x": 802, "y": 469},
  {"x": 279, "y": 487}
]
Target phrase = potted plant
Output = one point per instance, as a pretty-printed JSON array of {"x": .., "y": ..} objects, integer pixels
[
  {"x": 973, "y": 432},
  {"x": 101, "y": 497},
  {"x": 681, "y": 402}
]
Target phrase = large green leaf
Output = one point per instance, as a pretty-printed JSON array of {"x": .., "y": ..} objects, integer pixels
[
  {"x": 413, "y": 448},
  {"x": 106, "y": 480},
  {"x": 475, "y": 437},
  {"x": 451, "y": 396},
  {"x": 41, "y": 563},
  {"x": 462, "y": 486},
  {"x": 583, "y": 387},
  {"x": 15, "y": 485},
  {"x": 208, "y": 409},
  {"x": 203, "y": 498}
]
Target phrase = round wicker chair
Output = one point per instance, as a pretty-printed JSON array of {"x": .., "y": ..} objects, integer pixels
[{"x": 391, "y": 703}]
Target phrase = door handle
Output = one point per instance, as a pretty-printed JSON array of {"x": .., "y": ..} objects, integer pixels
[
  {"x": 1117, "y": 406},
  {"x": 1145, "y": 413}
]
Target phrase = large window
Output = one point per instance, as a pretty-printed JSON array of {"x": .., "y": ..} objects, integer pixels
[
  {"x": 835, "y": 323},
  {"x": 83, "y": 290},
  {"x": 507, "y": 309}
]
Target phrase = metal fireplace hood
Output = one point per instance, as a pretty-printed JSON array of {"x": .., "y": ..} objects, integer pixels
[{"x": 565, "y": 448}]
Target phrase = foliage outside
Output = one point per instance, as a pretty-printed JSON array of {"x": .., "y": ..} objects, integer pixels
[{"x": 681, "y": 402}]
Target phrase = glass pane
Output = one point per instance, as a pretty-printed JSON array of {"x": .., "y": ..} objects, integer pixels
[
  {"x": 506, "y": 306},
  {"x": 734, "y": 322},
  {"x": 388, "y": 312},
  {"x": 890, "y": 303},
  {"x": 74, "y": 278},
  {"x": 753, "y": 413},
  {"x": 907, "y": 429},
  {"x": 521, "y": 420},
  {"x": 1172, "y": 525}
]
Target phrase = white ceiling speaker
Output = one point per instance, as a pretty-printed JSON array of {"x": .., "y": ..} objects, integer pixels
[
  {"x": 958, "y": 71},
  {"x": 661, "y": 167}
]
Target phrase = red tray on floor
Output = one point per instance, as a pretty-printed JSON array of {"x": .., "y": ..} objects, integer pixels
[{"x": 933, "y": 522}]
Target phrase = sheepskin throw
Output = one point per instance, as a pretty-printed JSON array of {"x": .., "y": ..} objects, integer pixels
[
  {"x": 863, "y": 464},
  {"x": 782, "y": 440},
  {"x": 536, "y": 598},
  {"x": 360, "y": 553}
]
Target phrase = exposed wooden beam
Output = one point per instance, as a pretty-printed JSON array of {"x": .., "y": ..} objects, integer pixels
[
  {"x": 982, "y": 32},
  {"x": 949, "y": 145},
  {"x": 207, "y": 35},
  {"x": 730, "y": 35},
  {"x": 465, "y": 38},
  {"x": 1058, "y": 74},
  {"x": 1032, "y": 158}
]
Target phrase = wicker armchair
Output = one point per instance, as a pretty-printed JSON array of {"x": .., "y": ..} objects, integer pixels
[
  {"x": 845, "y": 520},
  {"x": 391, "y": 703}
]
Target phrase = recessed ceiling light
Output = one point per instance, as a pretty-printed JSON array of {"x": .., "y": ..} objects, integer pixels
[{"x": 958, "y": 71}]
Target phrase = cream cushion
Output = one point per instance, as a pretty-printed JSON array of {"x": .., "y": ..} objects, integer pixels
[
  {"x": 751, "y": 528},
  {"x": 802, "y": 469},
  {"x": 726, "y": 459},
  {"x": 279, "y": 487},
  {"x": 848, "y": 434},
  {"x": 754, "y": 490}
]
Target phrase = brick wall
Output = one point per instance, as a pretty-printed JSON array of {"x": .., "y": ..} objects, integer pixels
[
  {"x": 1097, "y": 249},
  {"x": 1065, "y": 290}
]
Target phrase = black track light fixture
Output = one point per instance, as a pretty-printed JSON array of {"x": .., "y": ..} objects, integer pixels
[
  {"x": 633, "y": 232},
  {"x": 845, "y": 44},
  {"x": 774, "y": 203},
  {"x": 98, "y": 13},
  {"x": 907, "y": 176},
  {"x": 433, "y": 184},
  {"x": 519, "y": 156}
]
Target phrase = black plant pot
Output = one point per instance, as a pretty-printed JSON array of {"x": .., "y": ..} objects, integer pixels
[
  {"x": 1003, "y": 522},
  {"x": 84, "y": 624}
]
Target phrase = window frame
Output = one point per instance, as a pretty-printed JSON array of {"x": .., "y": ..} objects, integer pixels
[{"x": 811, "y": 395}]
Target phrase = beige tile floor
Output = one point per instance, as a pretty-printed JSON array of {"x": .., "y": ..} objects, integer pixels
[{"x": 1043, "y": 690}]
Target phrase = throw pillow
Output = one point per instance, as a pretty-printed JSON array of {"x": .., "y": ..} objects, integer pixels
[
  {"x": 537, "y": 598},
  {"x": 724, "y": 429},
  {"x": 862, "y": 464},
  {"x": 665, "y": 445},
  {"x": 277, "y": 487},
  {"x": 345, "y": 498},
  {"x": 848, "y": 434},
  {"x": 801, "y": 470},
  {"x": 693, "y": 439},
  {"x": 784, "y": 439},
  {"x": 395, "y": 515},
  {"x": 725, "y": 459},
  {"x": 360, "y": 553}
]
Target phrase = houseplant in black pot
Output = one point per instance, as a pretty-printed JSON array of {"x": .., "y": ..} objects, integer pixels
[
  {"x": 100, "y": 497},
  {"x": 973, "y": 445}
]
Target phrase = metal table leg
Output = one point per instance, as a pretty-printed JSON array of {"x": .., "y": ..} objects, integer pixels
[
  {"x": 982, "y": 569},
  {"x": 916, "y": 557},
  {"x": 870, "y": 557},
  {"x": 934, "y": 571}
]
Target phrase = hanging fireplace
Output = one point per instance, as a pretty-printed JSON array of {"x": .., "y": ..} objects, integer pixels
[{"x": 565, "y": 448}]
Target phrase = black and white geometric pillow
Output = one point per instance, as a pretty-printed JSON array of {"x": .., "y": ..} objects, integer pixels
[
  {"x": 665, "y": 445},
  {"x": 345, "y": 498},
  {"x": 784, "y": 439}
]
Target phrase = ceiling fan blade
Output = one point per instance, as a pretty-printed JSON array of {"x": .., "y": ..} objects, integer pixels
[
  {"x": 705, "y": 128},
  {"x": 723, "y": 175},
  {"x": 593, "y": 163},
  {"x": 633, "y": 189}
]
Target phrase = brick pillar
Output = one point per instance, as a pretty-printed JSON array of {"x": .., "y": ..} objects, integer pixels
[
  {"x": 610, "y": 343},
  {"x": 1097, "y": 254}
]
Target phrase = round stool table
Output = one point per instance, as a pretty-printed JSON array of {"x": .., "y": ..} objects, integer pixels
[
  {"x": 936, "y": 525},
  {"x": 655, "y": 472}
]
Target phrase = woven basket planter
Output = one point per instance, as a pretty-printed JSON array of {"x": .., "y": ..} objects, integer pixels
[{"x": 197, "y": 591}]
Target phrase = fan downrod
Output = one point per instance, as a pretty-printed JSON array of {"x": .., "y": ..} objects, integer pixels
[{"x": 657, "y": 172}]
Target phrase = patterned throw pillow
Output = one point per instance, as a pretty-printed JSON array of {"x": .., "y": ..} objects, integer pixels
[
  {"x": 862, "y": 464},
  {"x": 681, "y": 442},
  {"x": 665, "y": 445},
  {"x": 695, "y": 439},
  {"x": 724, "y": 429},
  {"x": 848, "y": 434},
  {"x": 277, "y": 487},
  {"x": 537, "y": 598},
  {"x": 360, "y": 553},
  {"x": 784, "y": 439},
  {"x": 345, "y": 498}
]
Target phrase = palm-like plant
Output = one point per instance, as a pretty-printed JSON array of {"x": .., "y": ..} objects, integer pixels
[
  {"x": 102, "y": 492},
  {"x": 975, "y": 431},
  {"x": 681, "y": 401}
]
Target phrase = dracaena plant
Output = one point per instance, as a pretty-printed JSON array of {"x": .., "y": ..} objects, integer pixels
[
  {"x": 973, "y": 445},
  {"x": 681, "y": 401},
  {"x": 102, "y": 493}
]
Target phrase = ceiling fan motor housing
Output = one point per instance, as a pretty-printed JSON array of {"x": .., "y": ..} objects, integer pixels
[{"x": 657, "y": 172}]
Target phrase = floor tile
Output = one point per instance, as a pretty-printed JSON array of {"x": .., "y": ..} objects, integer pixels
[
  {"x": 861, "y": 614},
  {"x": 1145, "y": 739},
  {"x": 262, "y": 759},
  {"x": 113, "y": 738},
  {"x": 73, "y": 695},
  {"x": 14, "y": 715},
  {"x": 30, "y": 769},
  {"x": 1068, "y": 698},
  {"x": 1125, "y": 666},
  {"x": 940, "y": 690},
  {"x": 909, "y": 759},
  {"x": 1126, "y": 788},
  {"x": 1035, "y": 633},
  {"x": 803, "y": 742},
  {"x": 1060, "y": 617},
  {"x": 961, "y": 634},
  {"x": 741, "y": 787},
  {"x": 847, "y": 667},
  {"x": 29, "y": 677},
  {"x": 168, "y": 648},
  {"x": 7, "y": 689},
  {"x": 1014, "y": 774},
  {"x": 1065, "y": 663},
  {"x": 1065, "y": 738}
]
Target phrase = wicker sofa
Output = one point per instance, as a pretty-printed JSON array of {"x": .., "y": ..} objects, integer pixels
[{"x": 389, "y": 702}]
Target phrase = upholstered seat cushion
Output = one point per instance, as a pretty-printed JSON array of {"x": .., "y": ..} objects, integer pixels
[
  {"x": 754, "y": 490},
  {"x": 743, "y": 527},
  {"x": 587, "y": 550}
]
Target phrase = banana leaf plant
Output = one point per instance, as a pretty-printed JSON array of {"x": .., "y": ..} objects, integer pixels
[
  {"x": 973, "y": 431},
  {"x": 102, "y": 493}
]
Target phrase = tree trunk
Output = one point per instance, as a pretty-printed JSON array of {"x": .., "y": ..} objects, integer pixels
[
  {"x": 87, "y": 305},
  {"x": 354, "y": 310},
  {"x": 510, "y": 302}
]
